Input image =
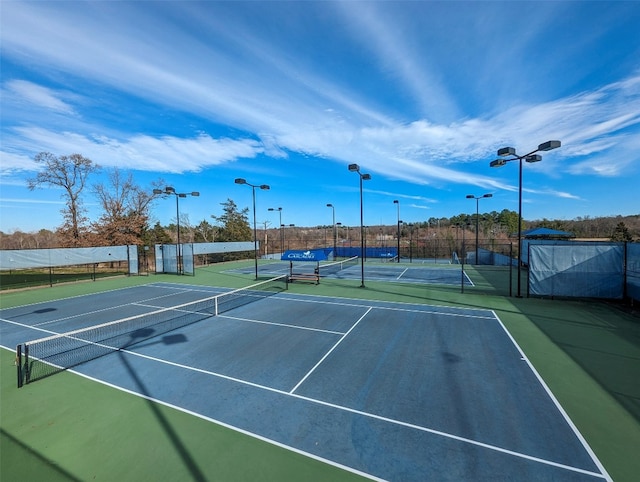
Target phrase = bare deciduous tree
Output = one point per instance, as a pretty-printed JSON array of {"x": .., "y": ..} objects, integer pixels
[
  {"x": 125, "y": 207},
  {"x": 71, "y": 174}
]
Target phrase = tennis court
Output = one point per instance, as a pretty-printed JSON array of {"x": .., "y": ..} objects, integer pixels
[
  {"x": 392, "y": 391},
  {"x": 418, "y": 272}
]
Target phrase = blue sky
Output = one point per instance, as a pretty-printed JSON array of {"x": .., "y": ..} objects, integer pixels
[{"x": 419, "y": 94}]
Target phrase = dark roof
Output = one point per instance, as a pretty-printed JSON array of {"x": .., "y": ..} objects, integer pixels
[{"x": 546, "y": 233}]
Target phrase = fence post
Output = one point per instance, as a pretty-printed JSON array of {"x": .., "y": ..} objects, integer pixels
[{"x": 511, "y": 270}]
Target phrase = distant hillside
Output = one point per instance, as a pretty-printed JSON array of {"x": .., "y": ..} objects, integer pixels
[{"x": 588, "y": 227}]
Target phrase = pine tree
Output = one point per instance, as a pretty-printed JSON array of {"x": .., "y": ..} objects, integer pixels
[
  {"x": 621, "y": 233},
  {"x": 234, "y": 223}
]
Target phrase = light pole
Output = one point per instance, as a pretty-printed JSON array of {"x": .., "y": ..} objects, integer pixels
[
  {"x": 471, "y": 196},
  {"x": 335, "y": 231},
  {"x": 283, "y": 226},
  {"x": 264, "y": 187},
  {"x": 530, "y": 157},
  {"x": 281, "y": 230},
  {"x": 363, "y": 177},
  {"x": 170, "y": 190},
  {"x": 395, "y": 201},
  {"x": 410, "y": 242}
]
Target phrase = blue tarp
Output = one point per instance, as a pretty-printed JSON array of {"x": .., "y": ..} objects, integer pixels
[
  {"x": 590, "y": 270},
  {"x": 305, "y": 255},
  {"x": 633, "y": 270}
]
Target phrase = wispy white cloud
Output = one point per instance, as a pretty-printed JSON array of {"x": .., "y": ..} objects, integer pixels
[
  {"x": 22, "y": 91},
  {"x": 165, "y": 154},
  {"x": 12, "y": 163},
  {"x": 252, "y": 82},
  {"x": 420, "y": 152},
  {"x": 30, "y": 201},
  {"x": 398, "y": 57},
  {"x": 419, "y": 206},
  {"x": 401, "y": 195}
]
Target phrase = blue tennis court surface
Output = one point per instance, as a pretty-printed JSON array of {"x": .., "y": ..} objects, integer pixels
[
  {"x": 421, "y": 273},
  {"x": 390, "y": 390}
]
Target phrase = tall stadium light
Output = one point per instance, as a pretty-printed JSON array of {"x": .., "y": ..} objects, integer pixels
[
  {"x": 264, "y": 187},
  {"x": 508, "y": 154},
  {"x": 395, "y": 201},
  {"x": 171, "y": 191},
  {"x": 335, "y": 231},
  {"x": 281, "y": 230},
  {"x": 410, "y": 242},
  {"x": 471, "y": 196},
  {"x": 363, "y": 177},
  {"x": 284, "y": 226}
]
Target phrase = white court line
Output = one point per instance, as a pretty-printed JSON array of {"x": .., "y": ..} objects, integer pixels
[
  {"x": 359, "y": 412},
  {"x": 602, "y": 475},
  {"x": 191, "y": 288},
  {"x": 403, "y": 272},
  {"x": 89, "y": 313},
  {"x": 468, "y": 279},
  {"x": 78, "y": 296},
  {"x": 329, "y": 352},
  {"x": 408, "y": 310},
  {"x": 297, "y": 327},
  {"x": 224, "y": 424},
  {"x": 555, "y": 401}
]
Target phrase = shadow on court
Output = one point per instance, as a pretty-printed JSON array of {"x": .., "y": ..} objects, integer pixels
[
  {"x": 32, "y": 464},
  {"x": 605, "y": 343},
  {"x": 168, "y": 429}
]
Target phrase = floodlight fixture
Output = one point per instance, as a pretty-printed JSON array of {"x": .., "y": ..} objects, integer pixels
[
  {"x": 264, "y": 187},
  {"x": 395, "y": 201},
  {"x": 530, "y": 158},
  {"x": 549, "y": 145},
  {"x": 507, "y": 151},
  {"x": 477, "y": 198},
  {"x": 171, "y": 190},
  {"x": 279, "y": 209},
  {"x": 335, "y": 230},
  {"x": 363, "y": 177}
]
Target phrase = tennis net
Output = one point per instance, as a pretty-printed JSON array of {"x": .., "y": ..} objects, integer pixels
[
  {"x": 331, "y": 268},
  {"x": 43, "y": 357}
]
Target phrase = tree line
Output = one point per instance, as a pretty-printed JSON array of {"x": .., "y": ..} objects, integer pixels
[{"x": 126, "y": 214}]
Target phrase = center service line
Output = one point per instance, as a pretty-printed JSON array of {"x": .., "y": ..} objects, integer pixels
[
  {"x": 329, "y": 352},
  {"x": 402, "y": 274}
]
